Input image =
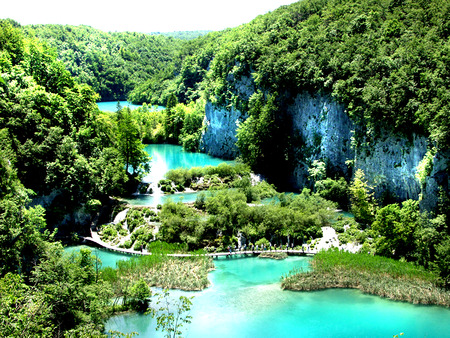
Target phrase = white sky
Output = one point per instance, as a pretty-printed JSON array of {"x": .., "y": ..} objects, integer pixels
[{"x": 139, "y": 15}]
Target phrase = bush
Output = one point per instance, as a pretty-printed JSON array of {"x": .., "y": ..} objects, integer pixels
[
  {"x": 334, "y": 190},
  {"x": 261, "y": 242},
  {"x": 127, "y": 244}
]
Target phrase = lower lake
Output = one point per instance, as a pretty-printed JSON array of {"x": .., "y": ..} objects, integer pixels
[{"x": 245, "y": 300}]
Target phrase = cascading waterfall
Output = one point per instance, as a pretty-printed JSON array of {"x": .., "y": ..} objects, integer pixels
[{"x": 121, "y": 216}]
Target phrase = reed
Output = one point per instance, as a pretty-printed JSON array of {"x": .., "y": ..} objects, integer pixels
[
  {"x": 161, "y": 270},
  {"x": 375, "y": 275}
]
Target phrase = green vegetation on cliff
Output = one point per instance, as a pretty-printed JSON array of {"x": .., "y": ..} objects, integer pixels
[{"x": 385, "y": 60}]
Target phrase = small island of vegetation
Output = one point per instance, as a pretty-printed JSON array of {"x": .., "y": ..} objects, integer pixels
[{"x": 375, "y": 275}]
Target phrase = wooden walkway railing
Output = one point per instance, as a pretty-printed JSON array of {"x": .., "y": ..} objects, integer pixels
[{"x": 100, "y": 243}]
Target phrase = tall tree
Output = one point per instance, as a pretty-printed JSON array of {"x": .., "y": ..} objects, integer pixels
[
  {"x": 361, "y": 197},
  {"x": 129, "y": 143}
]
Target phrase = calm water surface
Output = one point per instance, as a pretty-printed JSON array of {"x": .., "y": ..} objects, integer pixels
[
  {"x": 108, "y": 258},
  {"x": 164, "y": 158},
  {"x": 245, "y": 300},
  {"x": 111, "y": 106}
]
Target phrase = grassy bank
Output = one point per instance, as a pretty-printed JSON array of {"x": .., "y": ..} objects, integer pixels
[
  {"x": 158, "y": 269},
  {"x": 371, "y": 274}
]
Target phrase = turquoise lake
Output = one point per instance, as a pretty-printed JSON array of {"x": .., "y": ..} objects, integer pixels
[
  {"x": 245, "y": 300},
  {"x": 164, "y": 158},
  {"x": 111, "y": 106}
]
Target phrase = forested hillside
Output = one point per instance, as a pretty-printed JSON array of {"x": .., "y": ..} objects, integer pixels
[
  {"x": 113, "y": 64},
  {"x": 53, "y": 138},
  {"x": 387, "y": 61}
]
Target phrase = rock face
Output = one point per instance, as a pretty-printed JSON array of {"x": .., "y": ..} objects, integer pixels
[
  {"x": 325, "y": 132},
  {"x": 439, "y": 178},
  {"x": 219, "y": 137},
  {"x": 390, "y": 165}
]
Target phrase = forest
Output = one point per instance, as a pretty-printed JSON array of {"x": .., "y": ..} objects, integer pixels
[{"x": 61, "y": 158}]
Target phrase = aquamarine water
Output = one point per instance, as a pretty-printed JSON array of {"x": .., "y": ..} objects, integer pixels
[
  {"x": 111, "y": 106},
  {"x": 152, "y": 200},
  {"x": 168, "y": 156},
  {"x": 245, "y": 300},
  {"x": 164, "y": 158},
  {"x": 107, "y": 258}
]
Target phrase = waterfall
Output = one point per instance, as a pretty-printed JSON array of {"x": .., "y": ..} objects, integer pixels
[{"x": 121, "y": 216}]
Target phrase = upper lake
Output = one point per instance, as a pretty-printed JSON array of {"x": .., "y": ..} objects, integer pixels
[
  {"x": 111, "y": 106},
  {"x": 164, "y": 158}
]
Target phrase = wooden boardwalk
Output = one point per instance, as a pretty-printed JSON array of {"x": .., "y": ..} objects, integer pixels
[{"x": 95, "y": 239}]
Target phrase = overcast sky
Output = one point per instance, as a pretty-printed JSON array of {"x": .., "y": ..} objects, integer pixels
[{"x": 139, "y": 15}]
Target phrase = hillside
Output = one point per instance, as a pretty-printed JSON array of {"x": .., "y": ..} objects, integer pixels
[
  {"x": 113, "y": 64},
  {"x": 354, "y": 84}
]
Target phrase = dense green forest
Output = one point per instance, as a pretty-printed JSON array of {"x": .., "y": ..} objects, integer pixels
[
  {"x": 113, "y": 64},
  {"x": 61, "y": 158},
  {"x": 54, "y": 138}
]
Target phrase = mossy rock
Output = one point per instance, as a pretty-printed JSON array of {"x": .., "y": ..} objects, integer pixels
[{"x": 273, "y": 255}]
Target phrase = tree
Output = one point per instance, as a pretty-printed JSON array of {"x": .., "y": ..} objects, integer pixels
[
  {"x": 316, "y": 171},
  {"x": 69, "y": 285},
  {"x": 334, "y": 190},
  {"x": 395, "y": 228},
  {"x": 260, "y": 138},
  {"x": 139, "y": 293},
  {"x": 24, "y": 311},
  {"x": 172, "y": 315},
  {"x": 130, "y": 145},
  {"x": 361, "y": 197}
]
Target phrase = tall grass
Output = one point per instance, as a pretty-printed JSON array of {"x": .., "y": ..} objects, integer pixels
[
  {"x": 376, "y": 275},
  {"x": 159, "y": 269}
]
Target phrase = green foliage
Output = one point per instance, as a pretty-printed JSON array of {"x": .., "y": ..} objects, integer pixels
[
  {"x": 316, "y": 171},
  {"x": 140, "y": 293},
  {"x": 53, "y": 138},
  {"x": 113, "y": 64},
  {"x": 361, "y": 197},
  {"x": 334, "y": 190},
  {"x": 261, "y": 242},
  {"x": 130, "y": 145},
  {"x": 203, "y": 178},
  {"x": 228, "y": 214},
  {"x": 172, "y": 315},
  {"x": 76, "y": 299},
  {"x": 261, "y": 137},
  {"x": 425, "y": 166},
  {"x": 395, "y": 228},
  {"x": 20, "y": 234},
  {"x": 181, "y": 224},
  {"x": 24, "y": 310}
]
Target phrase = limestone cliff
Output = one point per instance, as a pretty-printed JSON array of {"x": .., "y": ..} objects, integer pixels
[
  {"x": 327, "y": 133},
  {"x": 219, "y": 135}
]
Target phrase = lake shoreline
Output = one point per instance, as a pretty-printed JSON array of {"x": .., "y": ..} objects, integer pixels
[{"x": 406, "y": 287}]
